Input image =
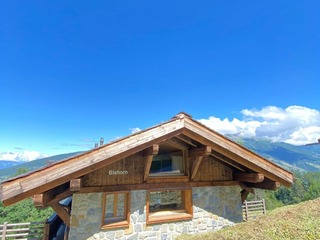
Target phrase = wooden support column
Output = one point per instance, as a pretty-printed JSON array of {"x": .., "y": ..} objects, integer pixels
[
  {"x": 149, "y": 153},
  {"x": 62, "y": 211},
  {"x": 248, "y": 177},
  {"x": 198, "y": 154}
]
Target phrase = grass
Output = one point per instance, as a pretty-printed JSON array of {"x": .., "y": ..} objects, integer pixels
[{"x": 300, "y": 221}]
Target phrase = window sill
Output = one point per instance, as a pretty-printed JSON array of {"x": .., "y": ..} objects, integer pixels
[
  {"x": 121, "y": 224},
  {"x": 168, "y": 216}
]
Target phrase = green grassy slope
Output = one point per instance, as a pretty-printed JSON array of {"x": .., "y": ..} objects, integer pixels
[{"x": 300, "y": 221}]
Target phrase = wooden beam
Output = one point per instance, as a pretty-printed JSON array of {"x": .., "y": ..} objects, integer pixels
[
  {"x": 75, "y": 184},
  {"x": 187, "y": 140},
  {"x": 155, "y": 186},
  {"x": 178, "y": 144},
  {"x": 62, "y": 212},
  {"x": 198, "y": 154},
  {"x": 149, "y": 153},
  {"x": 153, "y": 150},
  {"x": 270, "y": 185},
  {"x": 201, "y": 151},
  {"x": 41, "y": 200},
  {"x": 61, "y": 196},
  {"x": 248, "y": 177},
  {"x": 227, "y": 161}
]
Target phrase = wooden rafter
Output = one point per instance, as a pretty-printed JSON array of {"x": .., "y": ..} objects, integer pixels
[
  {"x": 149, "y": 153},
  {"x": 227, "y": 161},
  {"x": 178, "y": 144},
  {"x": 187, "y": 140}
]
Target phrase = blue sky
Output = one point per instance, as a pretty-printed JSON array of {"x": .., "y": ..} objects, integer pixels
[{"x": 73, "y": 71}]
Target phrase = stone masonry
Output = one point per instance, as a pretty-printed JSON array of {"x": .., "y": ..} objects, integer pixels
[{"x": 213, "y": 208}]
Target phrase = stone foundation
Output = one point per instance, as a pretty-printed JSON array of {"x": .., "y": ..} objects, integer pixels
[{"x": 213, "y": 208}]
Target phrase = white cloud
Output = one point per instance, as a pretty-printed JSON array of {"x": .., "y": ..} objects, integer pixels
[
  {"x": 21, "y": 156},
  {"x": 135, "y": 130},
  {"x": 295, "y": 125}
]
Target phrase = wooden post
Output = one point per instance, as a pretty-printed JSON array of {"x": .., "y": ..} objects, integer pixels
[
  {"x": 264, "y": 207},
  {"x": 246, "y": 210},
  {"x": 4, "y": 229},
  {"x": 46, "y": 231}
]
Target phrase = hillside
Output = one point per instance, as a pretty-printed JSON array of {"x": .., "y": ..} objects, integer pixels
[
  {"x": 300, "y": 221},
  {"x": 291, "y": 157},
  {"x": 35, "y": 164}
]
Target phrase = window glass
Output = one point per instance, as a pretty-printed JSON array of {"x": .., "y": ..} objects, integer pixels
[
  {"x": 168, "y": 200},
  {"x": 121, "y": 205},
  {"x": 115, "y": 209},
  {"x": 167, "y": 164},
  {"x": 170, "y": 205}
]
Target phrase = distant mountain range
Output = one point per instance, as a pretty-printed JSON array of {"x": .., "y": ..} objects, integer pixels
[
  {"x": 291, "y": 157},
  {"x": 9, "y": 168}
]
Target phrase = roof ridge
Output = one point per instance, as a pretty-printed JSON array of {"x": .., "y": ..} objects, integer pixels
[{"x": 182, "y": 114}]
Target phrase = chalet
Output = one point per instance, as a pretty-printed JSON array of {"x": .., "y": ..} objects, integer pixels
[{"x": 174, "y": 178}]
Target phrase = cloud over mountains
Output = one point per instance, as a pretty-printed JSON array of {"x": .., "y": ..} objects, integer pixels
[
  {"x": 21, "y": 156},
  {"x": 296, "y": 125}
]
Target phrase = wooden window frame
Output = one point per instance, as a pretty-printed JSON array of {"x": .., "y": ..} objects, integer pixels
[
  {"x": 169, "y": 175},
  {"x": 120, "y": 223},
  {"x": 174, "y": 215}
]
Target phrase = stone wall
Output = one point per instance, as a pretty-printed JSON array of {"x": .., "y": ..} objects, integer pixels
[{"x": 213, "y": 208}]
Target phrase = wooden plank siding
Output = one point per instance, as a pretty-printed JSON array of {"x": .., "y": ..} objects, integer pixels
[
  {"x": 211, "y": 170},
  {"x": 133, "y": 164}
]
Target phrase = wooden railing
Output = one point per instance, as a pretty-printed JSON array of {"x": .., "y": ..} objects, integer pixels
[
  {"x": 32, "y": 230},
  {"x": 253, "y": 209}
]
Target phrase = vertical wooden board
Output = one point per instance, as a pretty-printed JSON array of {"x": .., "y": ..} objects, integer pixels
[
  {"x": 188, "y": 201},
  {"x": 211, "y": 170},
  {"x": 128, "y": 170}
]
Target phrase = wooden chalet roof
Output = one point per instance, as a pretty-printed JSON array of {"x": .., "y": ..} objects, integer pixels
[{"x": 181, "y": 127}]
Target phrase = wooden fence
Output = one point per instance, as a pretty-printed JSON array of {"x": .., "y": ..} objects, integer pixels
[
  {"x": 253, "y": 209},
  {"x": 30, "y": 231}
]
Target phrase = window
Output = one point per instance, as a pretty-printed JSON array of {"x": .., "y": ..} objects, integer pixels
[
  {"x": 115, "y": 210},
  {"x": 171, "y": 205},
  {"x": 167, "y": 164}
]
